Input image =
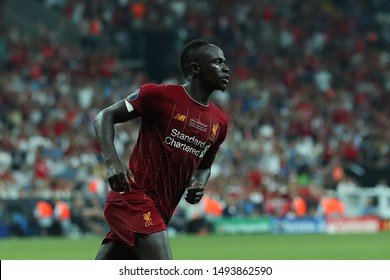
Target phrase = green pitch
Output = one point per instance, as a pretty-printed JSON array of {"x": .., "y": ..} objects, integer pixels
[{"x": 214, "y": 247}]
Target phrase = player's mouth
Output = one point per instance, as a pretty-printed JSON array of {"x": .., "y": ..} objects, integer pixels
[{"x": 225, "y": 79}]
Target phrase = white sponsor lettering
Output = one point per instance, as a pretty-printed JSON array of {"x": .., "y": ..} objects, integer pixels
[
  {"x": 192, "y": 140},
  {"x": 180, "y": 140}
]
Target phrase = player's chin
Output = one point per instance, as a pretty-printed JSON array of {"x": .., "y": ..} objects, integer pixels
[
  {"x": 222, "y": 87},
  {"x": 224, "y": 83}
]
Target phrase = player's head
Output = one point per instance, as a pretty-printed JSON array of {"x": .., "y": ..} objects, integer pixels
[
  {"x": 206, "y": 61},
  {"x": 189, "y": 54}
]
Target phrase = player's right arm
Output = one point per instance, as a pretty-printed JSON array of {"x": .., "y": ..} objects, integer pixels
[{"x": 104, "y": 124}]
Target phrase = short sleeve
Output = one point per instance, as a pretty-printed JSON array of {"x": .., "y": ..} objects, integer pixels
[{"x": 144, "y": 98}]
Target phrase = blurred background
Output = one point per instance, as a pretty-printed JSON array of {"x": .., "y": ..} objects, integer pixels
[{"x": 308, "y": 145}]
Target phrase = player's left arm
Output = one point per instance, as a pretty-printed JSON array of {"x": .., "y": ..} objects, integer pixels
[
  {"x": 201, "y": 176},
  {"x": 199, "y": 180}
]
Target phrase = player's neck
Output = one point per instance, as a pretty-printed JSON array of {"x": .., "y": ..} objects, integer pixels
[{"x": 196, "y": 93}]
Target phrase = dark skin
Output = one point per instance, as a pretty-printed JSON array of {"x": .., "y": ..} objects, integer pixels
[{"x": 207, "y": 74}]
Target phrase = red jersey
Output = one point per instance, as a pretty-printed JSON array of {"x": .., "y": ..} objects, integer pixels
[{"x": 176, "y": 134}]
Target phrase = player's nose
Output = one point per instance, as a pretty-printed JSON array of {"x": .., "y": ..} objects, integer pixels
[{"x": 225, "y": 68}]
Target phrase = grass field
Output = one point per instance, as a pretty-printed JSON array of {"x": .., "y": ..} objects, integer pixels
[{"x": 214, "y": 247}]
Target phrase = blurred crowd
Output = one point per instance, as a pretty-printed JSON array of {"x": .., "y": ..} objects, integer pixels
[{"x": 309, "y": 95}]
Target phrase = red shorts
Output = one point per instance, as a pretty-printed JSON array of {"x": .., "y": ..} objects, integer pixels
[{"x": 127, "y": 218}]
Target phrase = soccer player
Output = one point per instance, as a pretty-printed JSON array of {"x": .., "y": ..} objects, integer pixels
[{"x": 181, "y": 131}]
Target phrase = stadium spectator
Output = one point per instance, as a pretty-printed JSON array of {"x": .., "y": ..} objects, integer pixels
[
  {"x": 299, "y": 206},
  {"x": 43, "y": 212},
  {"x": 41, "y": 172},
  {"x": 331, "y": 206},
  {"x": 93, "y": 216},
  {"x": 78, "y": 220},
  {"x": 62, "y": 214},
  {"x": 232, "y": 207},
  {"x": 179, "y": 222},
  {"x": 4, "y": 220}
]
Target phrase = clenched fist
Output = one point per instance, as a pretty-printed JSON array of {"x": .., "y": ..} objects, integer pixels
[{"x": 195, "y": 192}]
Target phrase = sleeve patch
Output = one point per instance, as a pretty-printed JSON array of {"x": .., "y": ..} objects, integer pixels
[{"x": 133, "y": 96}]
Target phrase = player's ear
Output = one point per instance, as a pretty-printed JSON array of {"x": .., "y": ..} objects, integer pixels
[{"x": 194, "y": 67}]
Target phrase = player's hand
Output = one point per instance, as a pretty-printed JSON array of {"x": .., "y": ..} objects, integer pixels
[
  {"x": 119, "y": 178},
  {"x": 195, "y": 192}
]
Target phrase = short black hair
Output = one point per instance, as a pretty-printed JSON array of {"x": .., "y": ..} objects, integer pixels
[{"x": 189, "y": 54}]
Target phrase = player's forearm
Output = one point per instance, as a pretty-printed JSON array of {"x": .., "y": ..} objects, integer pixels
[
  {"x": 202, "y": 176},
  {"x": 105, "y": 133}
]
